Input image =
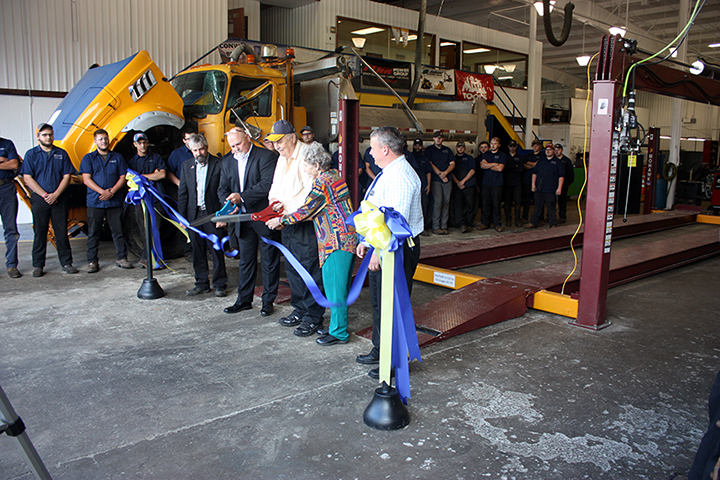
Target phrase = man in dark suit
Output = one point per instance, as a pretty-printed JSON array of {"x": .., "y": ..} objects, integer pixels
[
  {"x": 197, "y": 197},
  {"x": 247, "y": 173}
]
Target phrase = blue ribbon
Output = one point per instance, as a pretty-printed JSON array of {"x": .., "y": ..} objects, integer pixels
[
  {"x": 148, "y": 193},
  {"x": 405, "y": 342}
]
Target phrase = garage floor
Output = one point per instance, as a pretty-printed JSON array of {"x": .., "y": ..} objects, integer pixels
[{"x": 111, "y": 386}]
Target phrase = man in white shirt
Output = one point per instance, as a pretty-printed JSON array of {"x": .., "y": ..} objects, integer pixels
[
  {"x": 397, "y": 186},
  {"x": 290, "y": 186}
]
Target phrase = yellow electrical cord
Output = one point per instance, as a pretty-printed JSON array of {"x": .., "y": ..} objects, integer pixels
[{"x": 582, "y": 189}]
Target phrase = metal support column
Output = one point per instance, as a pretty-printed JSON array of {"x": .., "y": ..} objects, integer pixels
[
  {"x": 600, "y": 207},
  {"x": 651, "y": 170},
  {"x": 349, "y": 142}
]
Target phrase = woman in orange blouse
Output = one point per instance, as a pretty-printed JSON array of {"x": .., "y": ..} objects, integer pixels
[{"x": 327, "y": 205}]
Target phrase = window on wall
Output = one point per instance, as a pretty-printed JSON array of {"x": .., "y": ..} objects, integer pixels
[
  {"x": 375, "y": 40},
  {"x": 509, "y": 69}
]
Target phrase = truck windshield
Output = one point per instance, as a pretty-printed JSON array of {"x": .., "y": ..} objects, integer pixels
[{"x": 202, "y": 92}]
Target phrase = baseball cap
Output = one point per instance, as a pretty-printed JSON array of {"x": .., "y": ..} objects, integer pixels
[
  {"x": 418, "y": 141},
  {"x": 549, "y": 145},
  {"x": 461, "y": 144},
  {"x": 438, "y": 133},
  {"x": 512, "y": 143},
  {"x": 536, "y": 142},
  {"x": 307, "y": 128},
  {"x": 558, "y": 145},
  {"x": 279, "y": 130},
  {"x": 139, "y": 136},
  {"x": 43, "y": 126}
]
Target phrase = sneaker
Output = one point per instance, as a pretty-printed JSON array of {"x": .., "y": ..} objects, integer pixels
[
  {"x": 307, "y": 328},
  {"x": 38, "y": 272},
  {"x": 291, "y": 320},
  {"x": 13, "y": 272},
  {"x": 123, "y": 263},
  {"x": 93, "y": 267},
  {"x": 69, "y": 268}
]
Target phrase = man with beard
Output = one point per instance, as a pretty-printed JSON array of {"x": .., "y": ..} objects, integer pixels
[
  {"x": 247, "y": 173},
  {"x": 104, "y": 174},
  {"x": 46, "y": 171},
  {"x": 197, "y": 196},
  {"x": 290, "y": 186}
]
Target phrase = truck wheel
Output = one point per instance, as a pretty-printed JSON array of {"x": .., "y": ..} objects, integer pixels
[{"x": 173, "y": 241}]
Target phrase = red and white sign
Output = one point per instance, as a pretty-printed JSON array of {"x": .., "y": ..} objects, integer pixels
[{"x": 470, "y": 86}]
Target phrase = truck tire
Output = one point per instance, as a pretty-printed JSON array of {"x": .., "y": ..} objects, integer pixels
[{"x": 173, "y": 240}]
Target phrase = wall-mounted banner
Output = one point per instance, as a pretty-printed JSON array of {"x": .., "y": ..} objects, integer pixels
[
  {"x": 474, "y": 85},
  {"x": 436, "y": 81},
  {"x": 396, "y": 74}
]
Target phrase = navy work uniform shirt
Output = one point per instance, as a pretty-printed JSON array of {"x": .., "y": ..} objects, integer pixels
[
  {"x": 176, "y": 159},
  {"x": 147, "y": 164},
  {"x": 369, "y": 160},
  {"x": 513, "y": 170},
  {"x": 47, "y": 168},
  {"x": 105, "y": 172},
  {"x": 463, "y": 164},
  {"x": 531, "y": 158},
  {"x": 7, "y": 150},
  {"x": 492, "y": 178},
  {"x": 548, "y": 171},
  {"x": 440, "y": 157}
]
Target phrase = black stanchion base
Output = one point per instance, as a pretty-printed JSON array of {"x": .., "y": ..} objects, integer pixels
[
  {"x": 150, "y": 290},
  {"x": 386, "y": 411}
]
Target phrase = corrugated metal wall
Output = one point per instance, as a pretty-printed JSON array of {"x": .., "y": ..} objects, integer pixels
[
  {"x": 706, "y": 123},
  {"x": 49, "y": 44}
]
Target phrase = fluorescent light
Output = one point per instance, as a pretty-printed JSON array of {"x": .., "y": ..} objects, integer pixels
[
  {"x": 450, "y": 44},
  {"x": 665, "y": 137},
  {"x": 714, "y": 45},
  {"x": 691, "y": 139},
  {"x": 489, "y": 68},
  {"x": 617, "y": 31},
  {"x": 359, "y": 42},
  {"x": 509, "y": 77},
  {"x": 540, "y": 9},
  {"x": 476, "y": 50},
  {"x": 509, "y": 67},
  {"x": 583, "y": 60},
  {"x": 368, "y": 31}
]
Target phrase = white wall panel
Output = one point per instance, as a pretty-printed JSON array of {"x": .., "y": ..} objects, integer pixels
[
  {"x": 49, "y": 44},
  {"x": 252, "y": 11}
]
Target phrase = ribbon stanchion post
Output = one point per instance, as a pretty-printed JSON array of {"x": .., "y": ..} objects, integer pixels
[{"x": 150, "y": 288}]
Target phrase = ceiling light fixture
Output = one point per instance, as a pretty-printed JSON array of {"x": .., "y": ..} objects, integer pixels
[
  {"x": 489, "y": 69},
  {"x": 359, "y": 42},
  {"x": 540, "y": 8},
  {"x": 714, "y": 45},
  {"x": 583, "y": 59},
  {"x": 509, "y": 67},
  {"x": 476, "y": 50},
  {"x": 368, "y": 31},
  {"x": 447, "y": 44},
  {"x": 617, "y": 31}
]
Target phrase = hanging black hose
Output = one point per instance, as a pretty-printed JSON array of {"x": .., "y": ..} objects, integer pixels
[{"x": 566, "y": 24}]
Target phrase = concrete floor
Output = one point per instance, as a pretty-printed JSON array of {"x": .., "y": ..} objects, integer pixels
[{"x": 111, "y": 386}]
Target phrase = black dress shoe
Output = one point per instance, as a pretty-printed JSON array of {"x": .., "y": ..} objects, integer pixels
[
  {"x": 291, "y": 320},
  {"x": 375, "y": 373},
  {"x": 323, "y": 331},
  {"x": 369, "y": 359},
  {"x": 197, "y": 290},
  {"x": 221, "y": 291},
  {"x": 307, "y": 328},
  {"x": 267, "y": 309},
  {"x": 238, "y": 307},
  {"x": 329, "y": 340}
]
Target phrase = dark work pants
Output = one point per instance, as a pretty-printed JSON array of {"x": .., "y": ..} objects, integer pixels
[
  {"x": 464, "y": 205},
  {"x": 513, "y": 197},
  {"x": 527, "y": 196},
  {"x": 199, "y": 247},
  {"x": 42, "y": 215},
  {"x": 249, "y": 242},
  {"x": 709, "y": 449},
  {"x": 544, "y": 200},
  {"x": 300, "y": 239},
  {"x": 95, "y": 220},
  {"x": 491, "y": 197},
  {"x": 8, "y": 213},
  {"x": 411, "y": 258},
  {"x": 562, "y": 203}
]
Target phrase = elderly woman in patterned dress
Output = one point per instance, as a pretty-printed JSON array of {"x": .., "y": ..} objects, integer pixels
[{"x": 327, "y": 205}]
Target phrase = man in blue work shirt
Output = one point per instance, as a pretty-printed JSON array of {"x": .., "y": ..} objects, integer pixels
[
  {"x": 152, "y": 167},
  {"x": 528, "y": 165},
  {"x": 46, "y": 171},
  {"x": 425, "y": 174},
  {"x": 9, "y": 163},
  {"x": 179, "y": 155},
  {"x": 569, "y": 178},
  {"x": 104, "y": 173},
  {"x": 547, "y": 182},
  {"x": 492, "y": 164},
  {"x": 442, "y": 162},
  {"x": 463, "y": 177},
  {"x": 513, "y": 184}
]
